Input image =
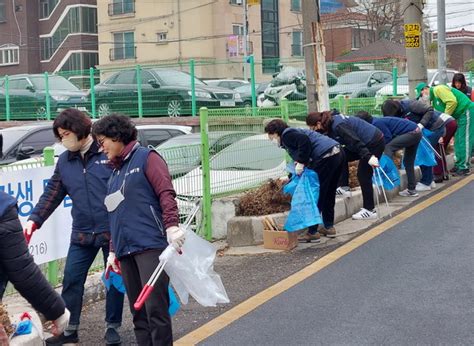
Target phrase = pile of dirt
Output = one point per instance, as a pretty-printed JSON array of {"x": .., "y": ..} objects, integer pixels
[
  {"x": 5, "y": 320},
  {"x": 267, "y": 199}
]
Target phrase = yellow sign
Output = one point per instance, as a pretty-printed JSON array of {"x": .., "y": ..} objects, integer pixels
[
  {"x": 253, "y": 2},
  {"x": 412, "y": 35}
]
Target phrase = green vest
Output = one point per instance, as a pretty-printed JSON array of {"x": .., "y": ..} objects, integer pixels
[{"x": 463, "y": 102}]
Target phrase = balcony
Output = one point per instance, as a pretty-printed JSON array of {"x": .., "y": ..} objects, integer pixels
[
  {"x": 123, "y": 53},
  {"x": 118, "y": 8}
]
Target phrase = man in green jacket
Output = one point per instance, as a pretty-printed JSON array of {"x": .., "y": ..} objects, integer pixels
[{"x": 455, "y": 103}]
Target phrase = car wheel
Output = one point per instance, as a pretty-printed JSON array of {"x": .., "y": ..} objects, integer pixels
[
  {"x": 174, "y": 108},
  {"x": 41, "y": 113},
  {"x": 103, "y": 109}
]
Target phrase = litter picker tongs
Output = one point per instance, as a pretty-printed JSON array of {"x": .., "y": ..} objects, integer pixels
[{"x": 148, "y": 288}]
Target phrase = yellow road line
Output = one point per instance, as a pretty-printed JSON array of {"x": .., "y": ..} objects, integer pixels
[{"x": 255, "y": 301}]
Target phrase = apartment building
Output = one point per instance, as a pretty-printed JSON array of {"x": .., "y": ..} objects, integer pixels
[
  {"x": 169, "y": 32},
  {"x": 47, "y": 35}
]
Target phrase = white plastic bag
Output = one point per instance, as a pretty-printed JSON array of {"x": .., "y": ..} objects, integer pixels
[{"x": 192, "y": 272}]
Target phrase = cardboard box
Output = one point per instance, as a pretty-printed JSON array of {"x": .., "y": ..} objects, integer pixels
[{"x": 279, "y": 240}]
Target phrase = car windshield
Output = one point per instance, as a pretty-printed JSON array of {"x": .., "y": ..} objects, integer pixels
[
  {"x": 246, "y": 88},
  {"x": 353, "y": 78},
  {"x": 10, "y": 136},
  {"x": 172, "y": 77},
  {"x": 55, "y": 83}
]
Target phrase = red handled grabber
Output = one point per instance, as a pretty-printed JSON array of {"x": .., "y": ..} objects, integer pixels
[{"x": 148, "y": 288}]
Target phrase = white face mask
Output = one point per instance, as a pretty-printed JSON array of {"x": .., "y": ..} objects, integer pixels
[
  {"x": 71, "y": 143},
  {"x": 276, "y": 141},
  {"x": 425, "y": 98}
]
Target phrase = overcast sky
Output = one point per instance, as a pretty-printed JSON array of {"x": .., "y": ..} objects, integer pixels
[{"x": 459, "y": 14}]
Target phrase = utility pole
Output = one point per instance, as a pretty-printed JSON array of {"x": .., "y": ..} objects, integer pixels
[
  {"x": 441, "y": 7},
  {"x": 315, "y": 62},
  {"x": 413, "y": 24},
  {"x": 245, "y": 43}
]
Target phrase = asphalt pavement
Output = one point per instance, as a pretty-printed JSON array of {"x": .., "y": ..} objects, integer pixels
[{"x": 412, "y": 284}]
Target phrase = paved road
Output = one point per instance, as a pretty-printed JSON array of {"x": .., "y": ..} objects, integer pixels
[{"x": 413, "y": 284}]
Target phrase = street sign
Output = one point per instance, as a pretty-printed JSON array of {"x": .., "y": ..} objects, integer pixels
[{"x": 412, "y": 32}]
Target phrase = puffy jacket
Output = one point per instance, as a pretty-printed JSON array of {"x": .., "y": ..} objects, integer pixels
[
  {"x": 85, "y": 181},
  {"x": 306, "y": 146},
  {"x": 420, "y": 112},
  {"x": 136, "y": 224},
  {"x": 18, "y": 265},
  {"x": 392, "y": 127}
]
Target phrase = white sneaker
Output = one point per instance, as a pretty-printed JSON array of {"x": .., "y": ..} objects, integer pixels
[
  {"x": 344, "y": 191},
  {"x": 422, "y": 187},
  {"x": 408, "y": 193},
  {"x": 365, "y": 214},
  {"x": 433, "y": 185}
]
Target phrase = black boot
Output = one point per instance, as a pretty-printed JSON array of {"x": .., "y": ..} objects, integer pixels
[
  {"x": 63, "y": 339},
  {"x": 112, "y": 337}
]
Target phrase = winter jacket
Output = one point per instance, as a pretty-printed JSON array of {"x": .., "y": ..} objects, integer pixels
[
  {"x": 449, "y": 100},
  {"x": 355, "y": 134},
  {"x": 85, "y": 181},
  {"x": 137, "y": 224},
  {"x": 19, "y": 267},
  {"x": 420, "y": 112},
  {"x": 392, "y": 127},
  {"x": 306, "y": 146}
]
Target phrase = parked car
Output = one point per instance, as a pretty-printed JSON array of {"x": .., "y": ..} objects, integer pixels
[
  {"x": 226, "y": 83},
  {"x": 29, "y": 91},
  {"x": 22, "y": 104},
  {"x": 164, "y": 92},
  {"x": 360, "y": 84},
  {"x": 32, "y": 139},
  {"x": 183, "y": 153},
  {"x": 242, "y": 165},
  {"x": 245, "y": 92},
  {"x": 402, "y": 83}
]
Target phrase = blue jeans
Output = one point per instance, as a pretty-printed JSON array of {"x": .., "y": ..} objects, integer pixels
[
  {"x": 79, "y": 260},
  {"x": 427, "y": 171}
]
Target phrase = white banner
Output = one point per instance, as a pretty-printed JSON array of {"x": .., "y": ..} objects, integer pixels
[{"x": 51, "y": 242}]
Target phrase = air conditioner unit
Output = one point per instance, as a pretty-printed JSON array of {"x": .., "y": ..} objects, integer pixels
[{"x": 238, "y": 2}]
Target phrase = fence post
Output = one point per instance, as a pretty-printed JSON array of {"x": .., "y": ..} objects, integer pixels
[
  {"x": 252, "y": 82},
  {"x": 53, "y": 268},
  {"x": 139, "y": 91},
  {"x": 7, "y": 99},
  {"x": 193, "y": 88},
  {"x": 395, "y": 81},
  {"x": 92, "y": 92},
  {"x": 206, "y": 178},
  {"x": 340, "y": 104},
  {"x": 48, "y": 97},
  {"x": 285, "y": 112}
]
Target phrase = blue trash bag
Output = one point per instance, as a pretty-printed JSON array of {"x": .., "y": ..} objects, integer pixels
[
  {"x": 425, "y": 155},
  {"x": 304, "y": 203},
  {"x": 24, "y": 327},
  {"x": 174, "y": 304},
  {"x": 391, "y": 170}
]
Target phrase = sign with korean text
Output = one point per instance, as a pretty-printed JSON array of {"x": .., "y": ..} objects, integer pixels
[
  {"x": 51, "y": 242},
  {"x": 253, "y": 2},
  {"x": 412, "y": 34}
]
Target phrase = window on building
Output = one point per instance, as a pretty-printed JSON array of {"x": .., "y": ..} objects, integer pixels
[
  {"x": 162, "y": 37},
  {"x": 3, "y": 15},
  {"x": 118, "y": 7},
  {"x": 9, "y": 55},
  {"x": 356, "y": 38},
  {"x": 47, "y": 7},
  {"x": 81, "y": 61},
  {"x": 77, "y": 20},
  {"x": 270, "y": 36},
  {"x": 297, "y": 44},
  {"x": 124, "y": 46},
  {"x": 237, "y": 29},
  {"x": 296, "y": 5}
]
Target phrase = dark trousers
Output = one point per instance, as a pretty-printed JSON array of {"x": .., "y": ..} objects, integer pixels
[
  {"x": 408, "y": 141},
  {"x": 78, "y": 262},
  {"x": 451, "y": 128},
  {"x": 364, "y": 172},
  {"x": 329, "y": 170},
  {"x": 153, "y": 322}
]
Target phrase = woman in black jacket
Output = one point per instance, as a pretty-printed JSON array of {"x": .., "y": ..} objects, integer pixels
[{"x": 17, "y": 265}]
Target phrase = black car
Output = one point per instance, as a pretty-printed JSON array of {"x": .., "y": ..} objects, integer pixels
[
  {"x": 28, "y": 95},
  {"x": 164, "y": 92},
  {"x": 245, "y": 92}
]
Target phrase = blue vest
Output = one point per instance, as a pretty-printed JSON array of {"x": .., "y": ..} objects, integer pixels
[
  {"x": 365, "y": 131},
  {"x": 136, "y": 224},
  {"x": 320, "y": 144}
]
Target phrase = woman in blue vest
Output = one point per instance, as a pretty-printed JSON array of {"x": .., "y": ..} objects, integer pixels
[
  {"x": 361, "y": 141},
  {"x": 143, "y": 217},
  {"x": 319, "y": 153}
]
